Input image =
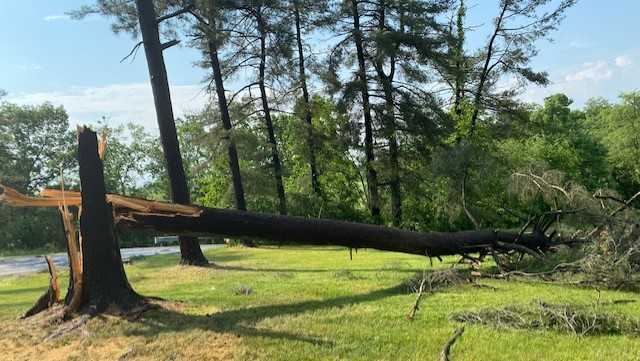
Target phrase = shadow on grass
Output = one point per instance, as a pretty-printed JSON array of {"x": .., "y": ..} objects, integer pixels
[
  {"x": 241, "y": 322},
  {"x": 20, "y": 291},
  {"x": 308, "y": 270}
]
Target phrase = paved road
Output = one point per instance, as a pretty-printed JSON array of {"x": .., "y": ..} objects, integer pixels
[{"x": 13, "y": 266}]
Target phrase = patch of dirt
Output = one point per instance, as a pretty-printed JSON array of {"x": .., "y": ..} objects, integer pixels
[{"x": 166, "y": 333}]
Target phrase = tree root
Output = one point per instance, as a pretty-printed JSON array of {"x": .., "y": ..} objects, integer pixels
[{"x": 69, "y": 326}]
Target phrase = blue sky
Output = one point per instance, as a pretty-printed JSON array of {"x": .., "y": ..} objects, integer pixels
[{"x": 45, "y": 56}]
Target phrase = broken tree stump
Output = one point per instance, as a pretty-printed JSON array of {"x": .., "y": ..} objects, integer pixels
[{"x": 104, "y": 282}]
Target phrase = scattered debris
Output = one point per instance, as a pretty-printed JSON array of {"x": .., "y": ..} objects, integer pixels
[
  {"x": 566, "y": 318},
  {"x": 242, "y": 290},
  {"x": 346, "y": 274},
  {"x": 431, "y": 282}
]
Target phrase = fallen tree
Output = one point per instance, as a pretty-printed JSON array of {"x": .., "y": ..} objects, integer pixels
[
  {"x": 98, "y": 277},
  {"x": 175, "y": 219},
  {"x": 305, "y": 231}
]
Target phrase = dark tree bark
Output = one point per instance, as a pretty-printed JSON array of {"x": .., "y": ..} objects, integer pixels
[
  {"x": 306, "y": 231},
  {"x": 189, "y": 247},
  {"x": 271, "y": 137},
  {"x": 486, "y": 69},
  {"x": 234, "y": 165},
  {"x": 103, "y": 278},
  {"x": 389, "y": 118},
  {"x": 315, "y": 184},
  {"x": 372, "y": 176}
]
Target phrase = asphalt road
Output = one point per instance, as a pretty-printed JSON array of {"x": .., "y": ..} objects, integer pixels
[{"x": 13, "y": 266}]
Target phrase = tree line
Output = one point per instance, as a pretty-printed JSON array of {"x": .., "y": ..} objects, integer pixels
[{"x": 395, "y": 120}]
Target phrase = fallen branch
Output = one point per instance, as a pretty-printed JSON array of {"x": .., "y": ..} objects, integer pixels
[
  {"x": 431, "y": 282},
  {"x": 416, "y": 305},
  {"x": 446, "y": 350}
]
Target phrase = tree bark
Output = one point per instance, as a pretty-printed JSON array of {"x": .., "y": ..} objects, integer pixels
[
  {"x": 234, "y": 165},
  {"x": 389, "y": 116},
  {"x": 389, "y": 119},
  {"x": 372, "y": 176},
  {"x": 104, "y": 281},
  {"x": 189, "y": 247},
  {"x": 271, "y": 137},
  {"x": 306, "y": 231},
  {"x": 315, "y": 184}
]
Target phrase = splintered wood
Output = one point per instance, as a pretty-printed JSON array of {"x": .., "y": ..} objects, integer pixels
[
  {"x": 121, "y": 204},
  {"x": 74, "y": 247},
  {"x": 13, "y": 198}
]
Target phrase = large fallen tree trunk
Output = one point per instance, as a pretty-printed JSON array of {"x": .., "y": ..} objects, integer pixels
[
  {"x": 305, "y": 231},
  {"x": 175, "y": 219}
]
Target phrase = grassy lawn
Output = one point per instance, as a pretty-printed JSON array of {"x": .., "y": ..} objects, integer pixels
[{"x": 305, "y": 304}]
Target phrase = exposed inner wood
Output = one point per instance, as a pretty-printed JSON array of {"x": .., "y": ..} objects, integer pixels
[
  {"x": 74, "y": 245},
  {"x": 55, "y": 198}
]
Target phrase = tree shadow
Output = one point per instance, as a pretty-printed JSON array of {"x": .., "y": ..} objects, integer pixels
[
  {"x": 308, "y": 270},
  {"x": 241, "y": 322},
  {"x": 20, "y": 291}
]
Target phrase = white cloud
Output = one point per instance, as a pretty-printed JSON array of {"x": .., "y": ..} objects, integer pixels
[
  {"x": 623, "y": 61},
  {"x": 118, "y": 103},
  {"x": 591, "y": 71},
  {"x": 56, "y": 17}
]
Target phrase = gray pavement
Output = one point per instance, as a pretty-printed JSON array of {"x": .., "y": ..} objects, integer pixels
[{"x": 13, "y": 266}]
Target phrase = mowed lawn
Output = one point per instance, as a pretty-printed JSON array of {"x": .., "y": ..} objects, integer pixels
[{"x": 304, "y": 304}]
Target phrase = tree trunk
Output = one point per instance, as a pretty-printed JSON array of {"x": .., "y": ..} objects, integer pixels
[
  {"x": 389, "y": 119},
  {"x": 372, "y": 176},
  {"x": 104, "y": 281},
  {"x": 394, "y": 155},
  {"x": 189, "y": 247},
  {"x": 315, "y": 184},
  {"x": 306, "y": 231},
  {"x": 232, "y": 152},
  {"x": 271, "y": 137}
]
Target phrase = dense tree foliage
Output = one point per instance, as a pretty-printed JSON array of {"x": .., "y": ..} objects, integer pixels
[
  {"x": 35, "y": 145},
  {"x": 394, "y": 120}
]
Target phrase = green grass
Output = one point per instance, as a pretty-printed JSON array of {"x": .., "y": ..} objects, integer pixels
[
  {"x": 316, "y": 304},
  {"x": 13, "y": 252}
]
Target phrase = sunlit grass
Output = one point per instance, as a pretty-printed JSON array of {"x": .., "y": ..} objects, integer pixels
[{"x": 316, "y": 304}]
